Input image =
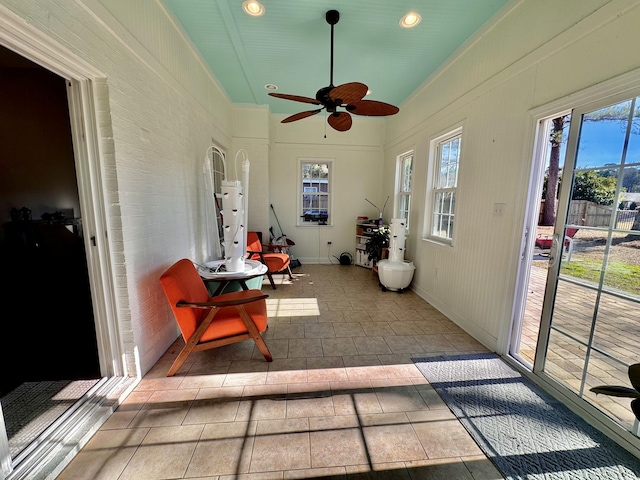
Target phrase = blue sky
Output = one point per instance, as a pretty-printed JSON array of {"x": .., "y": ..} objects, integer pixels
[{"x": 602, "y": 142}]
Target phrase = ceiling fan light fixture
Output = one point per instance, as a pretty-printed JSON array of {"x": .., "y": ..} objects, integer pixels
[
  {"x": 253, "y": 8},
  {"x": 410, "y": 20}
]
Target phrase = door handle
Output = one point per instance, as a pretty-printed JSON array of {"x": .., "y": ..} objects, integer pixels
[{"x": 555, "y": 250}]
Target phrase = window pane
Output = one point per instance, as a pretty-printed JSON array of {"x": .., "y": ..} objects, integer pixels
[
  {"x": 406, "y": 176},
  {"x": 315, "y": 193},
  {"x": 444, "y": 205},
  {"x": 404, "y": 207},
  {"x": 602, "y": 136},
  {"x": 592, "y": 202},
  {"x": 445, "y": 182},
  {"x": 449, "y": 157}
]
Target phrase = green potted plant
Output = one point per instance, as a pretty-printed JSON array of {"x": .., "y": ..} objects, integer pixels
[{"x": 378, "y": 241}]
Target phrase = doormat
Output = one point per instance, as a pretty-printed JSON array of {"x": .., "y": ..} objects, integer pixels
[{"x": 524, "y": 431}]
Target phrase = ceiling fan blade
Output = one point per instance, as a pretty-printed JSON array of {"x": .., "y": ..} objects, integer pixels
[
  {"x": 300, "y": 116},
  {"x": 296, "y": 98},
  {"x": 340, "y": 121},
  {"x": 348, "y": 93},
  {"x": 372, "y": 108}
]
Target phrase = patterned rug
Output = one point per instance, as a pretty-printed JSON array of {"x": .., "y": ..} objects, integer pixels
[{"x": 524, "y": 431}]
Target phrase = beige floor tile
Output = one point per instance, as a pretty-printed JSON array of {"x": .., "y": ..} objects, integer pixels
[
  {"x": 377, "y": 329},
  {"x": 349, "y": 329},
  {"x": 334, "y": 473},
  {"x": 305, "y": 347},
  {"x": 403, "y": 344},
  {"x": 380, "y": 471},
  {"x": 203, "y": 381},
  {"x": 287, "y": 331},
  {"x": 214, "y": 405},
  {"x": 164, "y": 408},
  {"x": 319, "y": 330},
  {"x": 398, "y": 397},
  {"x": 371, "y": 345},
  {"x": 223, "y": 449},
  {"x": 481, "y": 468},
  {"x": 338, "y": 447},
  {"x": 262, "y": 402},
  {"x": 393, "y": 442},
  {"x": 440, "y": 469},
  {"x": 337, "y": 347},
  {"x": 281, "y": 452},
  {"x": 105, "y": 456},
  {"x": 443, "y": 436},
  {"x": 309, "y": 404},
  {"x": 164, "y": 453}
]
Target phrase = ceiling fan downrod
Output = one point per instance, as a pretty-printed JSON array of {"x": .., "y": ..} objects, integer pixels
[{"x": 332, "y": 17}]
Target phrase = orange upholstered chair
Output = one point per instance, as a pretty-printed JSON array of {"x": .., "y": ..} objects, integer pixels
[
  {"x": 212, "y": 322},
  {"x": 275, "y": 262}
]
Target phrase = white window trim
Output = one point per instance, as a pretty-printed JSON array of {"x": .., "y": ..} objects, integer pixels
[
  {"x": 299, "y": 192},
  {"x": 433, "y": 172},
  {"x": 399, "y": 181}
]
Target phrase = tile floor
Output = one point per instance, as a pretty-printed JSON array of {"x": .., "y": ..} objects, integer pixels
[{"x": 341, "y": 399}]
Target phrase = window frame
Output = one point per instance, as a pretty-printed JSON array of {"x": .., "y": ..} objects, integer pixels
[
  {"x": 303, "y": 190},
  {"x": 401, "y": 193},
  {"x": 434, "y": 189}
]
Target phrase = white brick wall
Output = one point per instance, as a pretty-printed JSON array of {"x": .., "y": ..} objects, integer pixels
[{"x": 157, "y": 110}]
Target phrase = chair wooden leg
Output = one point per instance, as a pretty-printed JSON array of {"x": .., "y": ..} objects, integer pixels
[
  {"x": 254, "y": 333},
  {"x": 273, "y": 284},
  {"x": 182, "y": 356},
  {"x": 193, "y": 341}
]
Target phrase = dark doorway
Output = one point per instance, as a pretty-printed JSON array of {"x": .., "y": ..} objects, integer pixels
[{"x": 48, "y": 322}]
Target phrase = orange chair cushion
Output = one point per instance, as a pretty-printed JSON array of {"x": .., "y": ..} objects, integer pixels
[
  {"x": 227, "y": 322},
  {"x": 182, "y": 283},
  {"x": 275, "y": 262},
  {"x": 253, "y": 242}
]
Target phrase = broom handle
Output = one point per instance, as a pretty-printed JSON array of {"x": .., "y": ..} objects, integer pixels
[{"x": 274, "y": 214}]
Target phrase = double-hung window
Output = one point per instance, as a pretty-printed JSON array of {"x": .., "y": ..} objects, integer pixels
[
  {"x": 315, "y": 192},
  {"x": 446, "y": 163},
  {"x": 403, "y": 186}
]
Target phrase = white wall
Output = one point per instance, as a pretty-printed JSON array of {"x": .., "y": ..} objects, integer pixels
[
  {"x": 537, "y": 52},
  {"x": 158, "y": 111},
  {"x": 357, "y": 157}
]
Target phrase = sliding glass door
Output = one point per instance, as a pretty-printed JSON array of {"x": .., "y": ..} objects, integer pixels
[{"x": 590, "y": 326}]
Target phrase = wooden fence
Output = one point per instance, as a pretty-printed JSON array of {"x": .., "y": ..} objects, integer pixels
[{"x": 584, "y": 212}]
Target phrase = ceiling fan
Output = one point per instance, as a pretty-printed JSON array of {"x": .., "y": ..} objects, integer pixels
[{"x": 348, "y": 96}]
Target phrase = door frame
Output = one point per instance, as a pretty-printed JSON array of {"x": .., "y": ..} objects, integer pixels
[
  {"x": 83, "y": 82},
  {"x": 612, "y": 89}
]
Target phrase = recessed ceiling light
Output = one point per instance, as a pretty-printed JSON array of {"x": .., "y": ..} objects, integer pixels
[
  {"x": 253, "y": 8},
  {"x": 410, "y": 20},
  {"x": 271, "y": 86}
]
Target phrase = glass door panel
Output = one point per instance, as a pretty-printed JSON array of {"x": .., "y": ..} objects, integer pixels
[
  {"x": 602, "y": 367},
  {"x": 566, "y": 358},
  {"x": 591, "y": 313}
]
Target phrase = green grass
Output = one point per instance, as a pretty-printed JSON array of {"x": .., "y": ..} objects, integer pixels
[{"x": 621, "y": 276}]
